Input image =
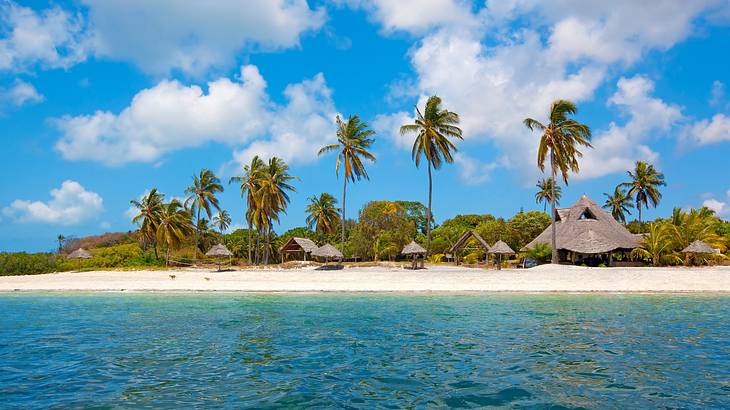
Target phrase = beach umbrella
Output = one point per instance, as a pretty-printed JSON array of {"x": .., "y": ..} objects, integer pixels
[
  {"x": 413, "y": 249},
  {"x": 219, "y": 251},
  {"x": 327, "y": 252},
  {"x": 500, "y": 248},
  {"x": 80, "y": 253}
]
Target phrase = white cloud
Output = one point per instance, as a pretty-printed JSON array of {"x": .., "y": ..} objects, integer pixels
[
  {"x": 172, "y": 116},
  {"x": 705, "y": 132},
  {"x": 719, "y": 207},
  {"x": 193, "y": 36},
  {"x": 70, "y": 204},
  {"x": 417, "y": 16},
  {"x": 22, "y": 93},
  {"x": 717, "y": 94},
  {"x": 389, "y": 124},
  {"x": 473, "y": 171},
  {"x": 51, "y": 38}
]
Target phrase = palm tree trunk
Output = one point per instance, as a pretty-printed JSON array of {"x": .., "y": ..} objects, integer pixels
[
  {"x": 248, "y": 220},
  {"x": 552, "y": 206},
  {"x": 428, "y": 212},
  {"x": 258, "y": 249},
  {"x": 154, "y": 245},
  {"x": 641, "y": 227},
  {"x": 197, "y": 233},
  {"x": 167, "y": 256},
  {"x": 344, "y": 197},
  {"x": 267, "y": 232}
]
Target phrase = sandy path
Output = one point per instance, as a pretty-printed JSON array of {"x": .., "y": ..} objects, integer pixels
[{"x": 546, "y": 278}]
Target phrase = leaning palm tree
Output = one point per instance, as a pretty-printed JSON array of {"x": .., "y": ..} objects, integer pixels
[
  {"x": 434, "y": 129},
  {"x": 644, "y": 186},
  {"x": 149, "y": 207},
  {"x": 174, "y": 225},
  {"x": 322, "y": 213},
  {"x": 560, "y": 140},
  {"x": 272, "y": 197},
  {"x": 201, "y": 196},
  {"x": 619, "y": 204},
  {"x": 546, "y": 187},
  {"x": 249, "y": 183},
  {"x": 353, "y": 141},
  {"x": 222, "y": 221}
]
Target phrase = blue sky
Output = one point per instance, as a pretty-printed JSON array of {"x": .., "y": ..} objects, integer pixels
[{"x": 101, "y": 100}]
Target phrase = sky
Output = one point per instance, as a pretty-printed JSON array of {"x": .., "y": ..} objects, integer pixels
[{"x": 102, "y": 100}]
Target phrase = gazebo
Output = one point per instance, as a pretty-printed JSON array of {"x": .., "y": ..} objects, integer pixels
[
  {"x": 498, "y": 249},
  {"x": 699, "y": 247},
  {"x": 219, "y": 251},
  {"x": 327, "y": 252},
  {"x": 297, "y": 245},
  {"x": 415, "y": 250},
  {"x": 80, "y": 253},
  {"x": 461, "y": 243}
]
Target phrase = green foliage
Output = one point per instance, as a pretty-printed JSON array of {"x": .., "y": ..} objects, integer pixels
[
  {"x": 120, "y": 256},
  {"x": 541, "y": 252},
  {"x": 472, "y": 258},
  {"x": 27, "y": 263},
  {"x": 383, "y": 230},
  {"x": 436, "y": 258}
]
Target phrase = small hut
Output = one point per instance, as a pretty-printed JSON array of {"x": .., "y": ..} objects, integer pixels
[
  {"x": 327, "y": 252},
  {"x": 463, "y": 241},
  {"x": 80, "y": 253},
  {"x": 498, "y": 249},
  {"x": 415, "y": 250},
  {"x": 298, "y": 246},
  {"x": 699, "y": 247},
  {"x": 219, "y": 251}
]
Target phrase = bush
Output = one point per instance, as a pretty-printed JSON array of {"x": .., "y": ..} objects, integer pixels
[
  {"x": 27, "y": 263},
  {"x": 120, "y": 256},
  {"x": 472, "y": 258}
]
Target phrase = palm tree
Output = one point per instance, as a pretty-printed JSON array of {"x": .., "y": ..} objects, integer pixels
[
  {"x": 434, "y": 129},
  {"x": 619, "y": 204},
  {"x": 560, "y": 139},
  {"x": 201, "y": 196},
  {"x": 644, "y": 185},
  {"x": 353, "y": 141},
  {"x": 149, "y": 207},
  {"x": 61, "y": 239},
  {"x": 656, "y": 245},
  {"x": 174, "y": 225},
  {"x": 322, "y": 213},
  {"x": 249, "y": 183},
  {"x": 546, "y": 188},
  {"x": 222, "y": 221},
  {"x": 272, "y": 197}
]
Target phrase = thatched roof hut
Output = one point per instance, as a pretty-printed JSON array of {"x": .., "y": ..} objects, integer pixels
[
  {"x": 219, "y": 250},
  {"x": 413, "y": 249},
  {"x": 500, "y": 248},
  {"x": 80, "y": 253},
  {"x": 328, "y": 252},
  {"x": 699, "y": 247},
  {"x": 298, "y": 245},
  {"x": 585, "y": 228}
]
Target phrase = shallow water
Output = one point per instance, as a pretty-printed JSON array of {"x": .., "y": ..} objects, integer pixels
[{"x": 388, "y": 351}]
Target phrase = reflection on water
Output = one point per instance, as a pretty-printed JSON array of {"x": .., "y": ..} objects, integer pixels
[{"x": 551, "y": 351}]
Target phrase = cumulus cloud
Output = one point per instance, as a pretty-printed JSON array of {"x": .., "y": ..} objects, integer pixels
[
  {"x": 474, "y": 172},
  {"x": 193, "y": 36},
  {"x": 720, "y": 206},
  {"x": 172, "y": 116},
  {"x": 417, "y": 16},
  {"x": 22, "y": 93},
  {"x": 71, "y": 204},
  {"x": 717, "y": 93},
  {"x": 706, "y": 132}
]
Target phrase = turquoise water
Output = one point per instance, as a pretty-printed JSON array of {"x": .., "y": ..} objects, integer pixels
[{"x": 388, "y": 351}]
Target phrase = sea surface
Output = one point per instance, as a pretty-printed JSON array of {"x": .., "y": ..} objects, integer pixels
[{"x": 363, "y": 351}]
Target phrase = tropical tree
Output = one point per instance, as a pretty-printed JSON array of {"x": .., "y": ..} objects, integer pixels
[
  {"x": 644, "y": 185},
  {"x": 695, "y": 225},
  {"x": 272, "y": 198},
  {"x": 434, "y": 130},
  {"x": 222, "y": 221},
  {"x": 619, "y": 204},
  {"x": 656, "y": 246},
  {"x": 353, "y": 141},
  {"x": 148, "y": 217},
  {"x": 61, "y": 239},
  {"x": 174, "y": 225},
  {"x": 559, "y": 144},
  {"x": 322, "y": 213},
  {"x": 201, "y": 196},
  {"x": 546, "y": 187},
  {"x": 249, "y": 185}
]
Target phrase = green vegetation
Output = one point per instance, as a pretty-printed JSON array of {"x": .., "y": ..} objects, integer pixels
[
  {"x": 644, "y": 185},
  {"x": 546, "y": 188},
  {"x": 27, "y": 263}
]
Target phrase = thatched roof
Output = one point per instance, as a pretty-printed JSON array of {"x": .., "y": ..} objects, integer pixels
[
  {"x": 413, "y": 248},
  {"x": 586, "y": 228},
  {"x": 698, "y": 247},
  {"x": 327, "y": 251},
  {"x": 80, "y": 253},
  {"x": 299, "y": 244},
  {"x": 465, "y": 237},
  {"x": 501, "y": 248},
  {"x": 219, "y": 250}
]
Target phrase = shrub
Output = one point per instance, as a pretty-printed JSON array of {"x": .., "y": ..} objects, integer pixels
[
  {"x": 471, "y": 258},
  {"x": 27, "y": 263},
  {"x": 120, "y": 256},
  {"x": 437, "y": 258}
]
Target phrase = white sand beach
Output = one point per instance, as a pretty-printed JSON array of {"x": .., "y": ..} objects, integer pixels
[{"x": 547, "y": 278}]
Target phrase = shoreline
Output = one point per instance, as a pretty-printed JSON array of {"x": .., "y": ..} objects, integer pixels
[{"x": 545, "y": 279}]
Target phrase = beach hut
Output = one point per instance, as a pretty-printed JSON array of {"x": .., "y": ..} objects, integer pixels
[
  {"x": 327, "y": 252},
  {"x": 414, "y": 250},
  {"x": 700, "y": 248},
  {"x": 296, "y": 245},
  {"x": 80, "y": 253},
  {"x": 498, "y": 249},
  {"x": 461, "y": 244},
  {"x": 219, "y": 251}
]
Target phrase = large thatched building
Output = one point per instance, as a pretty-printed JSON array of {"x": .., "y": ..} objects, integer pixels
[
  {"x": 587, "y": 233},
  {"x": 297, "y": 247}
]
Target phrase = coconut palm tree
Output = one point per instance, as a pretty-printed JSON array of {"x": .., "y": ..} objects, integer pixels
[
  {"x": 434, "y": 129},
  {"x": 656, "y": 246},
  {"x": 353, "y": 141},
  {"x": 201, "y": 196},
  {"x": 272, "y": 197},
  {"x": 174, "y": 225},
  {"x": 546, "y": 187},
  {"x": 619, "y": 204},
  {"x": 322, "y": 213},
  {"x": 248, "y": 183},
  {"x": 644, "y": 185},
  {"x": 222, "y": 221},
  {"x": 561, "y": 139},
  {"x": 61, "y": 239},
  {"x": 149, "y": 207}
]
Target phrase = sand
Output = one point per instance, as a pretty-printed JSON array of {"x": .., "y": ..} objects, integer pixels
[{"x": 546, "y": 278}]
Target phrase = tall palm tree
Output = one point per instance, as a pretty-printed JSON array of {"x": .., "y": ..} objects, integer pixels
[
  {"x": 434, "y": 129},
  {"x": 644, "y": 186},
  {"x": 174, "y": 225},
  {"x": 149, "y": 207},
  {"x": 619, "y": 204},
  {"x": 273, "y": 197},
  {"x": 322, "y": 213},
  {"x": 560, "y": 140},
  {"x": 61, "y": 239},
  {"x": 546, "y": 187},
  {"x": 353, "y": 141},
  {"x": 201, "y": 196},
  {"x": 249, "y": 182},
  {"x": 222, "y": 221}
]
